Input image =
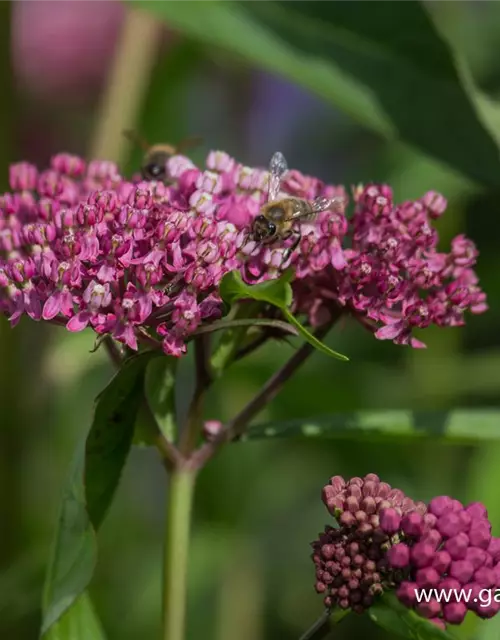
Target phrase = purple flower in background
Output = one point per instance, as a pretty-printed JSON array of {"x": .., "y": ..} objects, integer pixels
[
  {"x": 142, "y": 261},
  {"x": 51, "y": 51}
]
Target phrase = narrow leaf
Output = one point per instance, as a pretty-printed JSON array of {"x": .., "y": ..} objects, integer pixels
[
  {"x": 160, "y": 393},
  {"x": 401, "y": 87},
  {"x": 458, "y": 426},
  {"x": 80, "y": 622},
  {"x": 93, "y": 479},
  {"x": 74, "y": 549},
  {"x": 317, "y": 344}
]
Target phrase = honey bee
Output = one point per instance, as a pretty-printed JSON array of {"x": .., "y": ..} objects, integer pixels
[
  {"x": 155, "y": 158},
  {"x": 280, "y": 219}
]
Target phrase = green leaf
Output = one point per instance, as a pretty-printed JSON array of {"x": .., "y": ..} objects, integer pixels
[
  {"x": 399, "y": 81},
  {"x": 459, "y": 426},
  {"x": 80, "y": 622},
  {"x": 92, "y": 482},
  {"x": 313, "y": 341},
  {"x": 391, "y": 615},
  {"x": 160, "y": 393},
  {"x": 277, "y": 292}
]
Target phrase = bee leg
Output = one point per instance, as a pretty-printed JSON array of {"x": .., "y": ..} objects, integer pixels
[{"x": 288, "y": 252}]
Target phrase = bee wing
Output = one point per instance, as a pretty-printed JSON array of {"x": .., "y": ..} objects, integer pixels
[
  {"x": 317, "y": 206},
  {"x": 189, "y": 143},
  {"x": 322, "y": 204},
  {"x": 277, "y": 168}
]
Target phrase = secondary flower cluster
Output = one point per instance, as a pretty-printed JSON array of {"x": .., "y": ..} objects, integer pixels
[
  {"x": 385, "y": 541},
  {"x": 84, "y": 247},
  {"x": 452, "y": 550},
  {"x": 351, "y": 568}
]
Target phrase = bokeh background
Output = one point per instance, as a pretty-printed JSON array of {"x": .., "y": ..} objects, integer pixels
[{"x": 67, "y": 84}]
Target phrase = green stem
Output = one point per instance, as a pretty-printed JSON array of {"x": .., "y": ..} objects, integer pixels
[
  {"x": 179, "y": 506},
  {"x": 129, "y": 76}
]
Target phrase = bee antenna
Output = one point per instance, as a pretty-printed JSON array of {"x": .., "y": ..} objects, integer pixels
[
  {"x": 133, "y": 136},
  {"x": 189, "y": 143}
]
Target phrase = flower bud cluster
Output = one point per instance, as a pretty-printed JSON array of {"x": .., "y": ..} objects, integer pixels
[
  {"x": 351, "y": 569},
  {"x": 449, "y": 548},
  {"x": 386, "y": 541}
]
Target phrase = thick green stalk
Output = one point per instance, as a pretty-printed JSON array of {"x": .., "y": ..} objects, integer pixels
[{"x": 176, "y": 552}]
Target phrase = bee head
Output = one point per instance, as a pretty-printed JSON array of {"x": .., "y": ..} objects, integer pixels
[
  {"x": 154, "y": 166},
  {"x": 263, "y": 228}
]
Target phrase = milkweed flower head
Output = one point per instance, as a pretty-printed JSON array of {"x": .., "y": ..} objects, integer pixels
[
  {"x": 385, "y": 541},
  {"x": 82, "y": 246},
  {"x": 351, "y": 567}
]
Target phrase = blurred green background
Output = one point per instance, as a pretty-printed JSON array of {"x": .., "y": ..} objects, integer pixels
[{"x": 70, "y": 80}]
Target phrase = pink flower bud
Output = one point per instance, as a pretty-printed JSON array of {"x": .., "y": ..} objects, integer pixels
[
  {"x": 475, "y": 556},
  {"x": 441, "y": 561},
  {"x": 390, "y": 520},
  {"x": 429, "y": 609},
  {"x": 485, "y": 577},
  {"x": 461, "y": 570},
  {"x": 422, "y": 554},
  {"x": 427, "y": 578},
  {"x": 449, "y": 524},
  {"x": 477, "y": 511},
  {"x": 440, "y": 505},
  {"x": 454, "y": 612},
  {"x": 432, "y": 537},
  {"x": 413, "y": 524},
  {"x": 480, "y": 534},
  {"x": 457, "y": 546},
  {"x": 494, "y": 549},
  {"x": 406, "y": 593},
  {"x": 398, "y": 556},
  {"x": 211, "y": 429}
]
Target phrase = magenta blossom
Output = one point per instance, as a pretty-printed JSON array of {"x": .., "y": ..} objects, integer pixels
[
  {"x": 141, "y": 261},
  {"x": 385, "y": 541},
  {"x": 453, "y": 549}
]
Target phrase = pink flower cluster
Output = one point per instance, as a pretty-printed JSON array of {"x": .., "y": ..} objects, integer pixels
[
  {"x": 141, "y": 261},
  {"x": 386, "y": 541},
  {"x": 450, "y": 548},
  {"x": 351, "y": 569}
]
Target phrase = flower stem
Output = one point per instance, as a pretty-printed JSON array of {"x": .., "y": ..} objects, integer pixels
[
  {"x": 191, "y": 429},
  {"x": 319, "y": 629},
  {"x": 237, "y": 426},
  {"x": 175, "y": 563},
  {"x": 323, "y": 626}
]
